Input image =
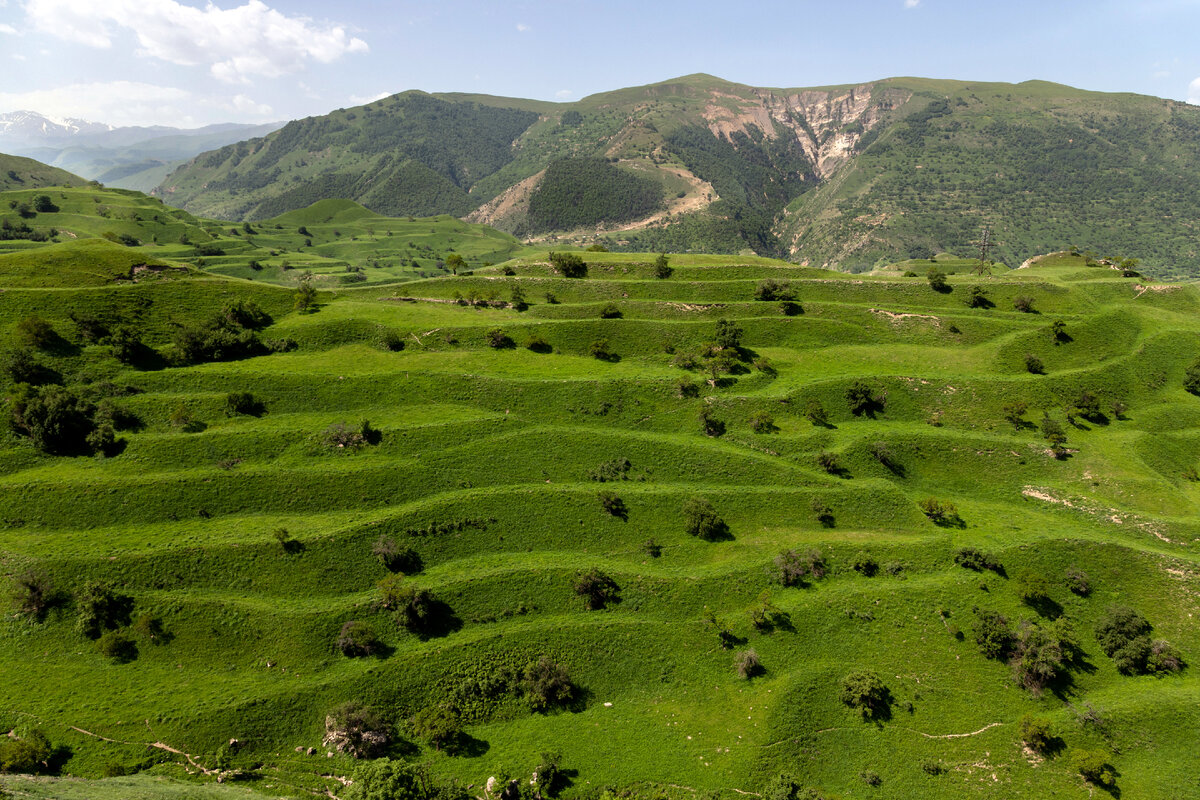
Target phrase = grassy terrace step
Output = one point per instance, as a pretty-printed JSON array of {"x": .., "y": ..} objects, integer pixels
[{"x": 484, "y": 467}]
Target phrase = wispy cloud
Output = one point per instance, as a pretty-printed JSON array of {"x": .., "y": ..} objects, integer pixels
[
  {"x": 362, "y": 100},
  {"x": 563, "y": 94},
  {"x": 9, "y": 29},
  {"x": 522, "y": 27},
  {"x": 235, "y": 43},
  {"x": 911, "y": 3},
  {"x": 136, "y": 103}
]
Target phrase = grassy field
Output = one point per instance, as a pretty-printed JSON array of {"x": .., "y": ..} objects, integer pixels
[{"x": 485, "y": 465}]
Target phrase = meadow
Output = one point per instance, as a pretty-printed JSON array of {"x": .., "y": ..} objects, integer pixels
[{"x": 524, "y": 429}]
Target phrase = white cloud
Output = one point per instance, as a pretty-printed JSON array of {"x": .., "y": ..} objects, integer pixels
[
  {"x": 362, "y": 100},
  {"x": 1194, "y": 92},
  {"x": 911, "y": 3},
  {"x": 563, "y": 94},
  {"x": 522, "y": 27},
  {"x": 133, "y": 103},
  {"x": 235, "y": 43},
  {"x": 9, "y": 29}
]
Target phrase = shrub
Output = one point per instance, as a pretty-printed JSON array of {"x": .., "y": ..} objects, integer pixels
[
  {"x": 497, "y": 339},
  {"x": 181, "y": 417},
  {"x": 246, "y": 314},
  {"x": 862, "y": 399},
  {"x": 342, "y": 435},
  {"x": 546, "y": 684},
  {"x": 55, "y": 419},
  {"x": 415, "y": 609},
  {"x": 1035, "y": 732},
  {"x": 864, "y": 691},
  {"x": 814, "y": 412},
  {"x": 613, "y": 505},
  {"x": 150, "y": 627},
  {"x": 762, "y": 422},
  {"x": 569, "y": 265},
  {"x": 44, "y": 205},
  {"x": 1034, "y": 365},
  {"x": 882, "y": 452},
  {"x": 1191, "y": 378},
  {"x": 610, "y": 311},
  {"x": 701, "y": 519},
  {"x": 728, "y": 334},
  {"x": 243, "y": 403},
  {"x": 822, "y": 512},
  {"x": 394, "y": 557},
  {"x": 652, "y": 548},
  {"x": 391, "y": 341},
  {"x": 24, "y": 367},
  {"x": 992, "y": 634},
  {"x": 747, "y": 664},
  {"x": 596, "y": 588},
  {"x": 709, "y": 422},
  {"x": 865, "y": 565},
  {"x": 977, "y": 298},
  {"x": 793, "y": 568},
  {"x": 937, "y": 279},
  {"x": 662, "y": 269},
  {"x": 614, "y": 470},
  {"x": 33, "y": 331},
  {"x": 1023, "y": 303},
  {"x": 33, "y": 595},
  {"x": 829, "y": 462},
  {"x": 538, "y": 344},
  {"x": 1093, "y": 766},
  {"x": 117, "y": 647},
  {"x": 1058, "y": 331},
  {"x": 127, "y": 346},
  {"x": 686, "y": 387},
  {"x": 305, "y": 297},
  {"x": 357, "y": 639},
  {"x": 1014, "y": 411},
  {"x": 439, "y": 725},
  {"x": 1124, "y": 636},
  {"x": 357, "y": 731},
  {"x": 101, "y": 609},
  {"x": 870, "y": 777},
  {"x": 1039, "y": 657},
  {"x": 975, "y": 559},
  {"x": 1033, "y": 588},
  {"x": 940, "y": 513},
  {"x": 1078, "y": 581},
  {"x": 600, "y": 349},
  {"x": 28, "y": 755},
  {"x": 770, "y": 289}
]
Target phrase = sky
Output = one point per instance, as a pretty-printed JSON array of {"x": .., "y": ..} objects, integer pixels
[{"x": 187, "y": 63}]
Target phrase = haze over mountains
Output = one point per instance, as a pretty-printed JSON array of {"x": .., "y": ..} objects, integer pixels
[
  {"x": 844, "y": 176},
  {"x": 129, "y": 157}
]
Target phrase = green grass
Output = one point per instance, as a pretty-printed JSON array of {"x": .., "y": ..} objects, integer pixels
[{"x": 496, "y": 446}]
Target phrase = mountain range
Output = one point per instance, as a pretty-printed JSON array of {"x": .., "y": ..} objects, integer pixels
[
  {"x": 841, "y": 176},
  {"x": 128, "y": 157}
]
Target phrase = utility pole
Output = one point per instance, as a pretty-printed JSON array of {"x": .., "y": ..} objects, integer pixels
[{"x": 985, "y": 244}]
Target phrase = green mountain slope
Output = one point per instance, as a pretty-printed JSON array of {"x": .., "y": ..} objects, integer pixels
[
  {"x": 886, "y": 469},
  {"x": 25, "y": 173},
  {"x": 848, "y": 177}
]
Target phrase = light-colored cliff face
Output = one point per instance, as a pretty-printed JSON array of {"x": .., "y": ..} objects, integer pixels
[{"x": 826, "y": 124}]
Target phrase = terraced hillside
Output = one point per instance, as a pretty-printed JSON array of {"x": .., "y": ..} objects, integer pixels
[
  {"x": 330, "y": 243},
  {"x": 640, "y": 518}
]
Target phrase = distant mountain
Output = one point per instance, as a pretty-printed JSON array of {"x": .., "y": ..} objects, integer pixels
[
  {"x": 25, "y": 173},
  {"x": 132, "y": 157},
  {"x": 842, "y": 176}
]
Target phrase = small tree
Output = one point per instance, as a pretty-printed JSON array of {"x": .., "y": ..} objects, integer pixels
[
  {"x": 117, "y": 647},
  {"x": 1023, "y": 303},
  {"x": 569, "y": 265},
  {"x": 865, "y": 565},
  {"x": 793, "y": 568},
  {"x": 862, "y": 399},
  {"x": 864, "y": 691},
  {"x": 610, "y": 311},
  {"x": 439, "y": 725},
  {"x": 709, "y": 422},
  {"x": 937, "y": 279},
  {"x": 770, "y": 289},
  {"x": 454, "y": 262},
  {"x": 1013, "y": 413},
  {"x": 101, "y": 609},
  {"x": 829, "y": 462},
  {"x": 305, "y": 297},
  {"x": 1078, "y": 581},
  {"x": 1034, "y": 365},
  {"x": 977, "y": 298},
  {"x": 497, "y": 339},
  {"x": 243, "y": 403},
  {"x": 992, "y": 634},
  {"x": 662, "y": 269},
  {"x": 613, "y": 505},
  {"x": 596, "y": 588},
  {"x": 762, "y": 422},
  {"x": 33, "y": 595},
  {"x": 546, "y": 684},
  {"x": 600, "y": 349},
  {"x": 1191, "y": 378},
  {"x": 939, "y": 512},
  {"x": 701, "y": 519},
  {"x": 394, "y": 557},
  {"x": 728, "y": 334},
  {"x": 33, "y": 331}
]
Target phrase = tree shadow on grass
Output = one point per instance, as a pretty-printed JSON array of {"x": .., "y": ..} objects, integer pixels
[
  {"x": 467, "y": 746},
  {"x": 440, "y": 621}
]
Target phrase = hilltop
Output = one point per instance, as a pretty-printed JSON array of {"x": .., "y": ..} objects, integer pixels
[
  {"x": 638, "y": 531},
  {"x": 847, "y": 177}
]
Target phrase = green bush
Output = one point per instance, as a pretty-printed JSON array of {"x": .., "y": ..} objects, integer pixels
[
  {"x": 357, "y": 639},
  {"x": 1093, "y": 766},
  {"x": 439, "y": 725},
  {"x": 569, "y": 265},
  {"x": 596, "y": 588},
  {"x": 117, "y": 647},
  {"x": 701, "y": 519},
  {"x": 993, "y": 634},
  {"x": 546, "y": 684},
  {"x": 1036, "y": 733},
  {"x": 793, "y": 568},
  {"x": 864, "y": 691}
]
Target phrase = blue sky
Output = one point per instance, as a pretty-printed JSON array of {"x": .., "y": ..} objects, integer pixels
[{"x": 191, "y": 62}]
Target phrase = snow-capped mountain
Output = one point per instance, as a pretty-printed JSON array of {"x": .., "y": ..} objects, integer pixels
[{"x": 39, "y": 129}]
